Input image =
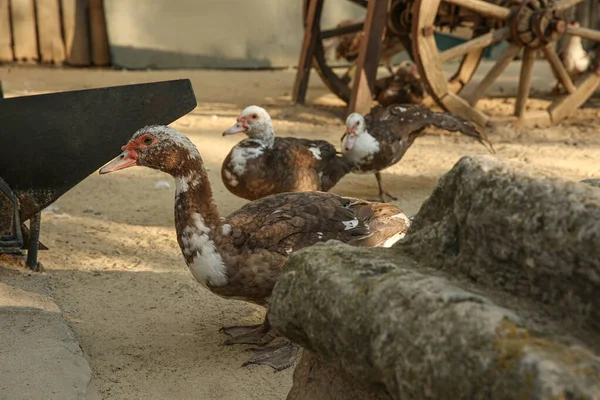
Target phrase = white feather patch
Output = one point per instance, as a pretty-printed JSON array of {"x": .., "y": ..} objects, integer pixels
[
  {"x": 316, "y": 152},
  {"x": 241, "y": 155},
  {"x": 230, "y": 178},
  {"x": 390, "y": 241},
  {"x": 364, "y": 148},
  {"x": 207, "y": 265},
  {"x": 400, "y": 235},
  {"x": 350, "y": 224},
  {"x": 226, "y": 229}
]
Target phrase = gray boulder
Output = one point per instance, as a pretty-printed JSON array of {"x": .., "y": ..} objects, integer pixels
[
  {"x": 517, "y": 230},
  {"x": 593, "y": 182},
  {"x": 492, "y": 295}
]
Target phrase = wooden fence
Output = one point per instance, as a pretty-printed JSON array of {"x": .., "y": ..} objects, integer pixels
[{"x": 69, "y": 32}]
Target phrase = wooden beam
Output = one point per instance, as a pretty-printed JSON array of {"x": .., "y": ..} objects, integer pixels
[
  {"x": 558, "y": 68},
  {"x": 524, "y": 81},
  {"x": 307, "y": 51},
  {"x": 368, "y": 58},
  {"x": 98, "y": 34},
  {"x": 456, "y": 105},
  {"x": 6, "y": 46},
  {"x": 473, "y": 92},
  {"x": 480, "y": 42},
  {"x": 23, "y": 30},
  {"x": 482, "y": 8},
  {"x": 564, "y": 106},
  {"x": 52, "y": 47},
  {"x": 76, "y": 32},
  {"x": 425, "y": 48},
  {"x": 587, "y": 33},
  {"x": 562, "y": 5}
]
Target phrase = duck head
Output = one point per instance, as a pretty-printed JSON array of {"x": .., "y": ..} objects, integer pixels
[
  {"x": 355, "y": 126},
  {"x": 255, "y": 122},
  {"x": 409, "y": 67},
  {"x": 158, "y": 147}
]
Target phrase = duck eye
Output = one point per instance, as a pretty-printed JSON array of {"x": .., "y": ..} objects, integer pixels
[{"x": 148, "y": 140}]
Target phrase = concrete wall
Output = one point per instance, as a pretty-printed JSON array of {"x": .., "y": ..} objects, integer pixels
[{"x": 211, "y": 33}]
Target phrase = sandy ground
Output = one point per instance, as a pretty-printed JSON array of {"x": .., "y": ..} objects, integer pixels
[{"x": 148, "y": 330}]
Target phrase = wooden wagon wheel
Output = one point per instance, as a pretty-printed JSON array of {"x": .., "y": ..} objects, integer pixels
[
  {"x": 338, "y": 84},
  {"x": 528, "y": 26}
]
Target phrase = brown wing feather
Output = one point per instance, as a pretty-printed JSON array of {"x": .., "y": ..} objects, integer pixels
[
  {"x": 266, "y": 231},
  {"x": 406, "y": 122}
]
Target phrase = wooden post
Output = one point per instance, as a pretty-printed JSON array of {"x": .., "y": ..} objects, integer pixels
[
  {"x": 368, "y": 57},
  {"x": 76, "y": 33},
  {"x": 311, "y": 35},
  {"x": 99, "y": 36},
  {"x": 23, "y": 29},
  {"x": 6, "y": 51},
  {"x": 52, "y": 48}
]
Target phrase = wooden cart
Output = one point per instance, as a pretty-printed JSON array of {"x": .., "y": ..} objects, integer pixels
[{"x": 529, "y": 26}]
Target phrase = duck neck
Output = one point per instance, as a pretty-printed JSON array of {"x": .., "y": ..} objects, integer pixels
[
  {"x": 266, "y": 135},
  {"x": 198, "y": 225}
]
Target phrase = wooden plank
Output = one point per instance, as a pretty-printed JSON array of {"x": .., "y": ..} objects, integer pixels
[
  {"x": 474, "y": 91},
  {"x": 23, "y": 30},
  {"x": 454, "y": 104},
  {"x": 564, "y": 106},
  {"x": 368, "y": 57},
  {"x": 75, "y": 32},
  {"x": 467, "y": 68},
  {"x": 6, "y": 48},
  {"x": 558, "y": 68},
  {"x": 562, "y": 5},
  {"x": 98, "y": 34},
  {"x": 307, "y": 51},
  {"x": 479, "y": 42},
  {"x": 483, "y": 8},
  {"x": 587, "y": 33},
  {"x": 524, "y": 81},
  {"x": 52, "y": 47},
  {"x": 425, "y": 48}
]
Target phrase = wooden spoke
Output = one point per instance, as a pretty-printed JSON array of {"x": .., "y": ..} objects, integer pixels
[
  {"x": 483, "y": 8},
  {"x": 472, "y": 94},
  {"x": 587, "y": 33},
  {"x": 558, "y": 68},
  {"x": 524, "y": 81},
  {"x": 311, "y": 36},
  {"x": 342, "y": 31},
  {"x": 562, "y": 5},
  {"x": 466, "y": 70},
  {"x": 368, "y": 58},
  {"x": 480, "y": 42},
  {"x": 564, "y": 106}
]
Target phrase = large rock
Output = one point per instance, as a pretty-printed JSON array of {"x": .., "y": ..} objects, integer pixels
[
  {"x": 593, "y": 182},
  {"x": 378, "y": 317},
  {"x": 316, "y": 380},
  {"x": 494, "y": 294},
  {"x": 518, "y": 230}
]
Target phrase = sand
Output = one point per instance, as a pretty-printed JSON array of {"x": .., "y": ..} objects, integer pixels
[{"x": 148, "y": 330}]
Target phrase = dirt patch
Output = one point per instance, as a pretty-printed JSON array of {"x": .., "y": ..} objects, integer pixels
[{"x": 147, "y": 328}]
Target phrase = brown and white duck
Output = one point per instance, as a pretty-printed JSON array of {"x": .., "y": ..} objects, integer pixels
[
  {"x": 379, "y": 139},
  {"x": 403, "y": 87},
  {"x": 241, "y": 256},
  {"x": 264, "y": 164}
]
